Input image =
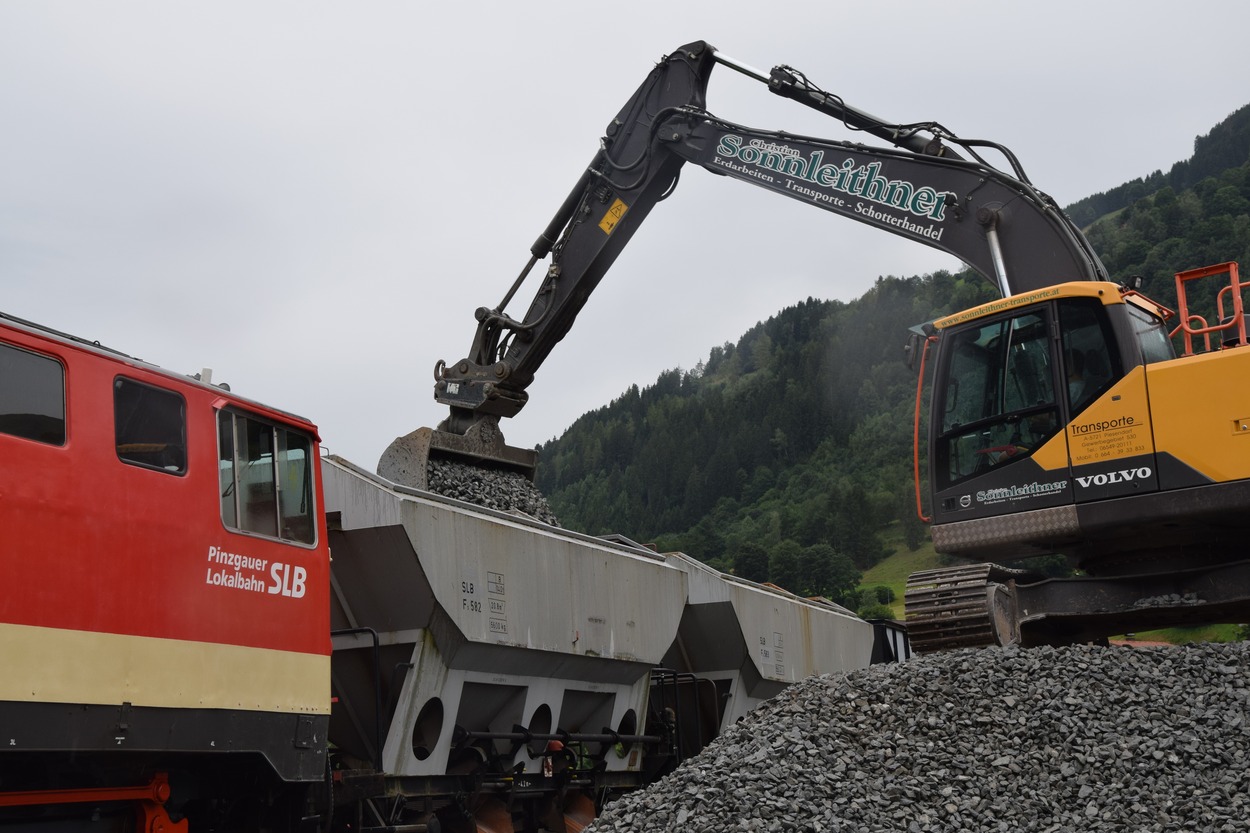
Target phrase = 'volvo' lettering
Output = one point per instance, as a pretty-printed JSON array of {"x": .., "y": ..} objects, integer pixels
[{"x": 1112, "y": 477}]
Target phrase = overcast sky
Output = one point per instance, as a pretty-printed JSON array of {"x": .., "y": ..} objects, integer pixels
[{"x": 312, "y": 198}]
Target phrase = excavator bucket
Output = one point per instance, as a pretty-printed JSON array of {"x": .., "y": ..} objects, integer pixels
[{"x": 407, "y": 460}]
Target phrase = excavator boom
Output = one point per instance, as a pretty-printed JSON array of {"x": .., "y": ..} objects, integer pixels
[{"x": 923, "y": 189}]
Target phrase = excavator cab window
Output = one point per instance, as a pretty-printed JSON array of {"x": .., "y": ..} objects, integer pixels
[
  {"x": 999, "y": 399},
  {"x": 1091, "y": 362},
  {"x": 1152, "y": 335}
]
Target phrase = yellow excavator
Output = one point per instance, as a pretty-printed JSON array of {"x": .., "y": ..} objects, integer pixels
[{"x": 1062, "y": 420}]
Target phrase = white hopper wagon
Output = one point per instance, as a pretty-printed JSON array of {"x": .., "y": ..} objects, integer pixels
[{"x": 487, "y": 664}]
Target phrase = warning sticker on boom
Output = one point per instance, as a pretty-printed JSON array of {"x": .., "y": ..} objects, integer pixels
[{"x": 614, "y": 215}]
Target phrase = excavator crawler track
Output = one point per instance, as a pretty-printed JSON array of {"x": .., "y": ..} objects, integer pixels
[
  {"x": 949, "y": 608},
  {"x": 967, "y": 606}
]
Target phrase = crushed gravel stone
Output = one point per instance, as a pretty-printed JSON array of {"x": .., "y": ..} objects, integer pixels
[{"x": 1080, "y": 738}]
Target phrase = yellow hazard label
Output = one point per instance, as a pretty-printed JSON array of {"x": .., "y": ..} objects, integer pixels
[{"x": 614, "y": 215}]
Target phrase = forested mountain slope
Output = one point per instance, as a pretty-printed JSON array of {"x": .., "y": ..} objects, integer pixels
[
  {"x": 783, "y": 455},
  {"x": 1227, "y": 145}
]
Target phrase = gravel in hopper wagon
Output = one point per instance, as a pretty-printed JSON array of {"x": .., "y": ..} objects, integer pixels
[{"x": 498, "y": 489}]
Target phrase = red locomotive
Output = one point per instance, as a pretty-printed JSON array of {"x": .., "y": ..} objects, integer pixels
[{"x": 163, "y": 621}]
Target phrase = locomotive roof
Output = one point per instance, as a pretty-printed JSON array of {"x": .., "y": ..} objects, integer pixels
[{"x": 96, "y": 347}]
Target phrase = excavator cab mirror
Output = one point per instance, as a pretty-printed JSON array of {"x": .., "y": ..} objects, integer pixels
[
  {"x": 913, "y": 349},
  {"x": 909, "y": 352}
]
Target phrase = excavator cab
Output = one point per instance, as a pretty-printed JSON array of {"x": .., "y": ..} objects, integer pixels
[
  {"x": 1063, "y": 422},
  {"x": 1008, "y": 381}
]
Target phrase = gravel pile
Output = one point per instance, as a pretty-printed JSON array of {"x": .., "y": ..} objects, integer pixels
[
  {"x": 506, "y": 491},
  {"x": 1044, "y": 739}
]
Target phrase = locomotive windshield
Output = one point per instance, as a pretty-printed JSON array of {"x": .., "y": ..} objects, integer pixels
[{"x": 266, "y": 478}]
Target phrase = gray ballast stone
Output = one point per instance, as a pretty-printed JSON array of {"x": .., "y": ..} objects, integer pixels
[
  {"x": 1069, "y": 739},
  {"x": 506, "y": 491}
]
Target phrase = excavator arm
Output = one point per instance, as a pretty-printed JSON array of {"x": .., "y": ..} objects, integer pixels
[
  {"x": 922, "y": 189},
  {"x": 632, "y": 171}
]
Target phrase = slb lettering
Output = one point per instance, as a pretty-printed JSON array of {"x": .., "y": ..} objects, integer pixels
[{"x": 288, "y": 580}]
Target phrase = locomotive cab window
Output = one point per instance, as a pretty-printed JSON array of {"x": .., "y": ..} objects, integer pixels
[
  {"x": 150, "y": 426},
  {"x": 266, "y": 473},
  {"x": 32, "y": 396},
  {"x": 999, "y": 403}
]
